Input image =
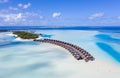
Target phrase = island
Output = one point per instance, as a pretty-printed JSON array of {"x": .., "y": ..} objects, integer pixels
[{"x": 25, "y": 34}]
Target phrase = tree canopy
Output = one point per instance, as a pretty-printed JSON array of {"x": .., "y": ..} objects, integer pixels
[{"x": 26, "y": 35}]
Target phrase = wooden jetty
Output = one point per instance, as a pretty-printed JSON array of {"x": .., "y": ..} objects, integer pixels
[{"x": 75, "y": 50}]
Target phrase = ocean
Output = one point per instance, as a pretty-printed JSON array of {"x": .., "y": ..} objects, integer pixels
[
  {"x": 29, "y": 59},
  {"x": 116, "y": 28}
]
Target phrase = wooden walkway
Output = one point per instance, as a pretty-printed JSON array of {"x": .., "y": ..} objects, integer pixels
[{"x": 76, "y": 51}]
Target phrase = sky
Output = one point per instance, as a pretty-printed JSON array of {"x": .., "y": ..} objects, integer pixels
[{"x": 59, "y": 12}]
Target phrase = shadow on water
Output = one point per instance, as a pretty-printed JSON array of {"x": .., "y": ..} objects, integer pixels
[{"x": 108, "y": 49}]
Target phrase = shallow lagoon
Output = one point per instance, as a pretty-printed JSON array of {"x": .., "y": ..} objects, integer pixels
[{"x": 20, "y": 59}]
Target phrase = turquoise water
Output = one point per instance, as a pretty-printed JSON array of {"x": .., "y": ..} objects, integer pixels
[
  {"x": 108, "y": 48},
  {"x": 27, "y": 59}
]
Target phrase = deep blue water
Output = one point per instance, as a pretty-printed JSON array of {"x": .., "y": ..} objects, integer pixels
[
  {"x": 109, "y": 50},
  {"x": 107, "y": 38},
  {"x": 60, "y": 28}
]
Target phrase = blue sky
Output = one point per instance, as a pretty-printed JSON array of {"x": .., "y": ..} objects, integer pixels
[{"x": 60, "y": 12}]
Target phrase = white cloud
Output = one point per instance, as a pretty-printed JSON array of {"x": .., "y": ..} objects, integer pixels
[
  {"x": 24, "y": 6},
  {"x": 56, "y": 14},
  {"x": 118, "y": 17},
  {"x": 3, "y": 1},
  {"x": 13, "y": 8},
  {"x": 11, "y": 17},
  {"x": 96, "y": 15},
  {"x": 21, "y": 18},
  {"x": 20, "y": 5}
]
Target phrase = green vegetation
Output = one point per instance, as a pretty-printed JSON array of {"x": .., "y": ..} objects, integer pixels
[{"x": 25, "y": 35}]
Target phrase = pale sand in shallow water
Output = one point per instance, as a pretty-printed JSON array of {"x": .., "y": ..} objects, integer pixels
[
  {"x": 28, "y": 60},
  {"x": 57, "y": 63}
]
